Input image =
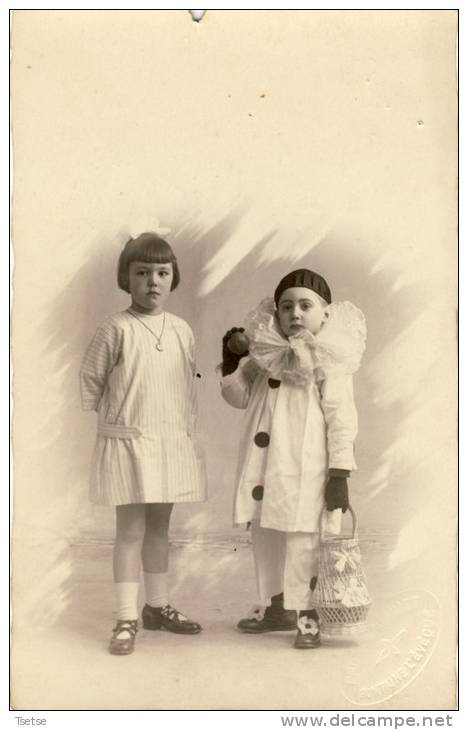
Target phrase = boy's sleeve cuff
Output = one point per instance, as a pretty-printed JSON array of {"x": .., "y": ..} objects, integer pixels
[
  {"x": 232, "y": 377},
  {"x": 225, "y": 379},
  {"x": 339, "y": 473}
]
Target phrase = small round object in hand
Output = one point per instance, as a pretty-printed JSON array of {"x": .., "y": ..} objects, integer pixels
[{"x": 238, "y": 343}]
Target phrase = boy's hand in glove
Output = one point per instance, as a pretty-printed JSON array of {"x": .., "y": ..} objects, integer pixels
[
  {"x": 336, "y": 493},
  {"x": 231, "y": 359}
]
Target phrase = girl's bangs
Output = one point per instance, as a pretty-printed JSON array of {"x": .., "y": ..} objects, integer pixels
[{"x": 152, "y": 252}]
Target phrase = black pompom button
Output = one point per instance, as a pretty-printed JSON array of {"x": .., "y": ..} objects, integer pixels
[
  {"x": 313, "y": 582},
  {"x": 262, "y": 439},
  {"x": 257, "y": 493},
  {"x": 274, "y": 383}
]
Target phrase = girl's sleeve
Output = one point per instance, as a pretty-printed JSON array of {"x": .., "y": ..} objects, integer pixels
[
  {"x": 191, "y": 351},
  {"x": 337, "y": 398},
  {"x": 100, "y": 359},
  {"x": 237, "y": 386}
]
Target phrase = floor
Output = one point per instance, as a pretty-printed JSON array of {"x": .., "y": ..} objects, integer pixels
[{"x": 405, "y": 659}]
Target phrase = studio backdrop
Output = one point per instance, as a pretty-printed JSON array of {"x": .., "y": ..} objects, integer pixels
[{"x": 266, "y": 141}]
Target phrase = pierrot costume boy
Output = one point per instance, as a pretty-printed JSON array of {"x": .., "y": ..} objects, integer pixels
[{"x": 296, "y": 452}]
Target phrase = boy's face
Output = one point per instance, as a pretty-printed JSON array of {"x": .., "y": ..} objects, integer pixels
[
  {"x": 300, "y": 308},
  {"x": 149, "y": 285}
]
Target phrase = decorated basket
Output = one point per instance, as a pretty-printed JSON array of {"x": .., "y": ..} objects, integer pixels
[{"x": 341, "y": 596}]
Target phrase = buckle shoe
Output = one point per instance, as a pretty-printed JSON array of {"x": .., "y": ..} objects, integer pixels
[
  {"x": 119, "y": 645},
  {"x": 168, "y": 618}
]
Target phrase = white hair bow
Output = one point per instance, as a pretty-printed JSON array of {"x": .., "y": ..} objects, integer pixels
[{"x": 147, "y": 225}]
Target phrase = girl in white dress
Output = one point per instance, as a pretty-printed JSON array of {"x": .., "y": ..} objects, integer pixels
[
  {"x": 139, "y": 375},
  {"x": 297, "y": 449}
]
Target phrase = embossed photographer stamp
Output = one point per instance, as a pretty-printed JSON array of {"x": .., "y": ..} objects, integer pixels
[{"x": 406, "y": 634}]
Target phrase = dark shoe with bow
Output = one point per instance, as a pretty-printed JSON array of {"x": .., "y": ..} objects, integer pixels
[
  {"x": 308, "y": 631},
  {"x": 168, "y": 618},
  {"x": 272, "y": 618},
  {"x": 123, "y": 637}
]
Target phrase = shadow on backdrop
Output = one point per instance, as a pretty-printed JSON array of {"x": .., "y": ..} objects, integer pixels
[{"x": 380, "y": 490}]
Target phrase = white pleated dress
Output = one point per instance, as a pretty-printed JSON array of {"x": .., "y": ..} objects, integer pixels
[{"x": 146, "y": 449}]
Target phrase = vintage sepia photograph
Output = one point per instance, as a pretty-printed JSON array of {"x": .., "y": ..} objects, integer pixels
[{"x": 234, "y": 350}]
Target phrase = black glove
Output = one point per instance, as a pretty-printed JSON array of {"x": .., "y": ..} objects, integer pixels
[
  {"x": 336, "y": 494},
  {"x": 231, "y": 359}
]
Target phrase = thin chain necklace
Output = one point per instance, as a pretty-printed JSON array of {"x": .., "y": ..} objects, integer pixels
[{"x": 158, "y": 345}]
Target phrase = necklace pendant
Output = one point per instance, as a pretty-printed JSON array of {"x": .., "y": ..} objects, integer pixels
[{"x": 159, "y": 348}]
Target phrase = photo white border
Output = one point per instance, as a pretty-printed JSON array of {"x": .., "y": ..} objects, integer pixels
[{"x": 232, "y": 720}]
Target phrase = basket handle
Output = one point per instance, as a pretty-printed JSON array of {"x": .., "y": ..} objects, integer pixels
[{"x": 353, "y": 517}]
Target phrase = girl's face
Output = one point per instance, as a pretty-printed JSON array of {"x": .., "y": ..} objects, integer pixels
[
  {"x": 150, "y": 286},
  {"x": 300, "y": 308}
]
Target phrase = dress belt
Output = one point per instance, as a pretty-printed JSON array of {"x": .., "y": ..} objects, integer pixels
[{"x": 117, "y": 431}]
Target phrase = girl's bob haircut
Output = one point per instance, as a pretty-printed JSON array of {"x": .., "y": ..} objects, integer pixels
[{"x": 150, "y": 248}]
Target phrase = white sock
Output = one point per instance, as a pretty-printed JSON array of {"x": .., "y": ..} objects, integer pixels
[
  {"x": 156, "y": 589},
  {"x": 126, "y": 595}
]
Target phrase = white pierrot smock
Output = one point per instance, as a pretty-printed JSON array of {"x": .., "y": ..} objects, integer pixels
[
  {"x": 300, "y": 415},
  {"x": 146, "y": 448}
]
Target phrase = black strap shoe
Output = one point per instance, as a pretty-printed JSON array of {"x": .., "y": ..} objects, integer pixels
[
  {"x": 123, "y": 644},
  {"x": 168, "y": 618}
]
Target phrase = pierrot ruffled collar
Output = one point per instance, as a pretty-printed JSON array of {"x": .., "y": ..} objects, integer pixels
[{"x": 337, "y": 347}]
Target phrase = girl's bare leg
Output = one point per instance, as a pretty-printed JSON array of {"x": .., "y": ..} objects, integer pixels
[
  {"x": 157, "y": 613},
  {"x": 155, "y": 554},
  {"x": 155, "y": 551},
  {"x": 130, "y": 530}
]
